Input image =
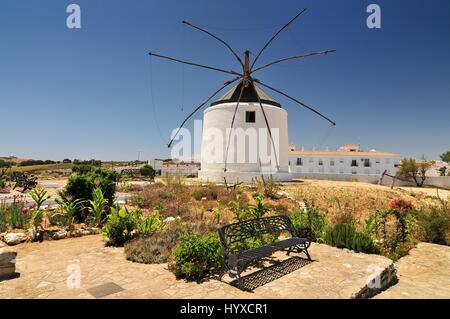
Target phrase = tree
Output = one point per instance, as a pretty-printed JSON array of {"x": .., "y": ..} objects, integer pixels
[
  {"x": 442, "y": 170},
  {"x": 66, "y": 161},
  {"x": 415, "y": 170},
  {"x": 446, "y": 157}
]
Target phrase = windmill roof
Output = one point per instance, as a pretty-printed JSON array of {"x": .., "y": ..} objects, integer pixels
[{"x": 248, "y": 95}]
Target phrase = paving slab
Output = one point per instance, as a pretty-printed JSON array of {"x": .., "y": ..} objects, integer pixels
[
  {"x": 424, "y": 273},
  {"x": 76, "y": 267}
]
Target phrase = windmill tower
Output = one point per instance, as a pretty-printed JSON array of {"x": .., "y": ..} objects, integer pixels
[{"x": 229, "y": 147}]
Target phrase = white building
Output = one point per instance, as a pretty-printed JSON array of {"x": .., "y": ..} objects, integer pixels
[
  {"x": 243, "y": 161},
  {"x": 349, "y": 161}
]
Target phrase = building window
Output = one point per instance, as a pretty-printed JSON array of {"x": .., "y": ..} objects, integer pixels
[
  {"x": 320, "y": 162},
  {"x": 341, "y": 161},
  {"x": 250, "y": 117},
  {"x": 354, "y": 164},
  {"x": 366, "y": 162},
  {"x": 331, "y": 162},
  {"x": 299, "y": 162},
  {"x": 353, "y": 171},
  {"x": 377, "y": 161}
]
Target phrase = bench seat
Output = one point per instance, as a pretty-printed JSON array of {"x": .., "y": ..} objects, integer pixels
[{"x": 249, "y": 256}]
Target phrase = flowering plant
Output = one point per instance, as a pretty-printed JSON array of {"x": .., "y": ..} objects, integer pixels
[{"x": 402, "y": 205}]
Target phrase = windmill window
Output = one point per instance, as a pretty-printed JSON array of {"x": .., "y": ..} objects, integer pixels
[
  {"x": 250, "y": 117},
  {"x": 367, "y": 162},
  {"x": 320, "y": 162},
  {"x": 354, "y": 163}
]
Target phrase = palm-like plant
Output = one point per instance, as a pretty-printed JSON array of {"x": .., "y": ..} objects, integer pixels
[
  {"x": 39, "y": 196},
  {"x": 97, "y": 206},
  {"x": 68, "y": 209}
]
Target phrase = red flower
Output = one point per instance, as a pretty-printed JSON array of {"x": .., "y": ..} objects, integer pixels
[
  {"x": 24, "y": 211},
  {"x": 401, "y": 205}
]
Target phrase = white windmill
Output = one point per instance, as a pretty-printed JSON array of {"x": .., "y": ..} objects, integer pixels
[{"x": 229, "y": 149}]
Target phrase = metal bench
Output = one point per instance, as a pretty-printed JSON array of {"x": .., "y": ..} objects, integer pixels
[
  {"x": 21, "y": 180},
  {"x": 237, "y": 254}
]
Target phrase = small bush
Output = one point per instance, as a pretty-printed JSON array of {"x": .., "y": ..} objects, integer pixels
[
  {"x": 147, "y": 171},
  {"x": 154, "y": 249},
  {"x": 196, "y": 256},
  {"x": 121, "y": 225},
  {"x": 311, "y": 219},
  {"x": 210, "y": 193},
  {"x": 81, "y": 186},
  {"x": 346, "y": 236},
  {"x": 433, "y": 224}
]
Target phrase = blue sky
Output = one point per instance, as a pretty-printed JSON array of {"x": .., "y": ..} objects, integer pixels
[{"x": 86, "y": 93}]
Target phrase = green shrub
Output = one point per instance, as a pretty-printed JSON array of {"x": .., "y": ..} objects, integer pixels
[
  {"x": 121, "y": 225},
  {"x": 82, "y": 169},
  {"x": 433, "y": 224},
  {"x": 147, "y": 170},
  {"x": 14, "y": 215},
  {"x": 196, "y": 256},
  {"x": 81, "y": 186},
  {"x": 151, "y": 224},
  {"x": 258, "y": 210},
  {"x": 346, "y": 236},
  {"x": 311, "y": 219},
  {"x": 239, "y": 207}
]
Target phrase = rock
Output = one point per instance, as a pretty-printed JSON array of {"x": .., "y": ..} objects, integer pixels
[
  {"x": 59, "y": 235},
  {"x": 85, "y": 232},
  {"x": 283, "y": 194},
  {"x": 32, "y": 234},
  {"x": 15, "y": 238},
  {"x": 169, "y": 220},
  {"x": 75, "y": 233},
  {"x": 7, "y": 263},
  {"x": 95, "y": 230}
]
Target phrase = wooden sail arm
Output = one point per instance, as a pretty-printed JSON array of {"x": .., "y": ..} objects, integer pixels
[
  {"x": 292, "y": 58},
  {"x": 217, "y": 38},
  {"x": 297, "y": 101},
  {"x": 194, "y": 64},
  {"x": 275, "y": 35}
]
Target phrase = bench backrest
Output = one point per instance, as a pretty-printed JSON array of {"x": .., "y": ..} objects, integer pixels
[
  {"x": 239, "y": 232},
  {"x": 18, "y": 176}
]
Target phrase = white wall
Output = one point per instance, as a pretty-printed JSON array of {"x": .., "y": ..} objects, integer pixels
[
  {"x": 342, "y": 164},
  {"x": 219, "y": 117}
]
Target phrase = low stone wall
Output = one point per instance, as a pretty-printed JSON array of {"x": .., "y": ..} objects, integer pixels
[
  {"x": 381, "y": 282},
  {"x": 7, "y": 263}
]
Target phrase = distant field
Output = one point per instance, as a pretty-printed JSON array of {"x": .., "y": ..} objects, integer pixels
[{"x": 45, "y": 167}]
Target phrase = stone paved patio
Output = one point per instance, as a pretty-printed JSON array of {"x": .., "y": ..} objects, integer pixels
[
  {"x": 424, "y": 273},
  {"x": 47, "y": 268}
]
